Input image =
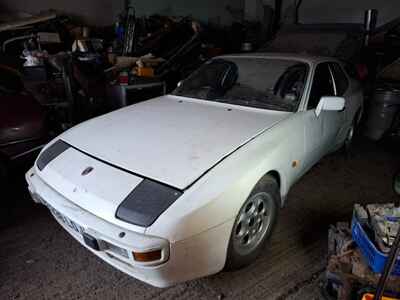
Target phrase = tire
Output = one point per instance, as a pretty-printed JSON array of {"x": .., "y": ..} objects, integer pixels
[
  {"x": 348, "y": 142},
  {"x": 254, "y": 224}
]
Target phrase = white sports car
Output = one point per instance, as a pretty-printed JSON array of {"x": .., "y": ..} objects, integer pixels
[{"x": 181, "y": 186}]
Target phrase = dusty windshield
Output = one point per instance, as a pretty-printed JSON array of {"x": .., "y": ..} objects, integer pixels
[{"x": 274, "y": 84}]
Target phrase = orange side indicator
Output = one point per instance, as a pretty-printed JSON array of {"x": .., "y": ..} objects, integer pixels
[
  {"x": 295, "y": 163},
  {"x": 147, "y": 256}
]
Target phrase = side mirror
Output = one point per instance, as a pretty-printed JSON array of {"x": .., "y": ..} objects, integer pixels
[{"x": 330, "y": 103}]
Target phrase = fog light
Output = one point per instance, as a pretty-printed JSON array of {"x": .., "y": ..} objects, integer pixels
[{"x": 147, "y": 256}]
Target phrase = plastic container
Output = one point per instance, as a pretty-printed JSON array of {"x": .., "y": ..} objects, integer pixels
[
  {"x": 384, "y": 106},
  {"x": 375, "y": 258}
]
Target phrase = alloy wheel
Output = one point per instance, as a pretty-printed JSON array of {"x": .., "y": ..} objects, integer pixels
[{"x": 252, "y": 223}]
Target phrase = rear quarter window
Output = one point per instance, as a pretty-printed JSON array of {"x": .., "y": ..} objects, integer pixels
[{"x": 341, "y": 81}]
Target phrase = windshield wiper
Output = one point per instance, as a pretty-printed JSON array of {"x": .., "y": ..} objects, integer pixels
[{"x": 254, "y": 102}]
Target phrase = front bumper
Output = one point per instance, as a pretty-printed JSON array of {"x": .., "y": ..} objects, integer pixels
[{"x": 201, "y": 255}]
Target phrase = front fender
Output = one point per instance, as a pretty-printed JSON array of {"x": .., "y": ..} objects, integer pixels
[{"x": 217, "y": 197}]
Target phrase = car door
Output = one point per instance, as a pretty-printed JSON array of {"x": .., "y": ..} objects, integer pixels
[
  {"x": 320, "y": 131},
  {"x": 333, "y": 120},
  {"x": 342, "y": 88}
]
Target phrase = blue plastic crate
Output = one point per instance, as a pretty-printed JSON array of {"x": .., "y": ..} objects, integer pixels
[{"x": 375, "y": 258}]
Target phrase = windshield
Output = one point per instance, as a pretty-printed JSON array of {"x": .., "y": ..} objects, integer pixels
[{"x": 274, "y": 84}]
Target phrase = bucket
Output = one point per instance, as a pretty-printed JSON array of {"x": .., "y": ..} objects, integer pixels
[{"x": 381, "y": 113}]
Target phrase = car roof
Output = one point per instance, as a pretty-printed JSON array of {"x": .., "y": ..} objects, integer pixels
[{"x": 306, "y": 58}]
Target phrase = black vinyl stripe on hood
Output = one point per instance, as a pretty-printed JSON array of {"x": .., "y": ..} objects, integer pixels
[
  {"x": 51, "y": 153},
  {"x": 142, "y": 206},
  {"x": 122, "y": 169},
  {"x": 146, "y": 203}
]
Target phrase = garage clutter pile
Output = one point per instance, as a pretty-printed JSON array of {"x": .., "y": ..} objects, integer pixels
[
  {"x": 358, "y": 253},
  {"x": 383, "y": 220},
  {"x": 79, "y": 72},
  {"x": 75, "y": 70}
]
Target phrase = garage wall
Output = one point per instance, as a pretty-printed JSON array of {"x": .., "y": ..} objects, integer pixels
[
  {"x": 94, "y": 11},
  {"x": 328, "y": 11},
  {"x": 350, "y": 11},
  {"x": 103, "y": 12}
]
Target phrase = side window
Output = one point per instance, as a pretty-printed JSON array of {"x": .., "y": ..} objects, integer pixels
[
  {"x": 322, "y": 85},
  {"x": 290, "y": 85},
  {"x": 341, "y": 81}
]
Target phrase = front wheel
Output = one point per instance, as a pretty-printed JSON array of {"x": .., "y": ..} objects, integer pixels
[
  {"x": 348, "y": 142},
  {"x": 253, "y": 224}
]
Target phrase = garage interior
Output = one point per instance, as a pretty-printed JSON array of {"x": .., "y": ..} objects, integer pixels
[{"x": 65, "y": 62}]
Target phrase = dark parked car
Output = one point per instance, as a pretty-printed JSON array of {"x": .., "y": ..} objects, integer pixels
[{"x": 22, "y": 128}]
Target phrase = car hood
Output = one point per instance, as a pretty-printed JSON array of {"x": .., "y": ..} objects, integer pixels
[{"x": 173, "y": 140}]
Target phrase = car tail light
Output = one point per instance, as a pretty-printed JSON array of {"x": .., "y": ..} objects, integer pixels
[{"x": 147, "y": 256}]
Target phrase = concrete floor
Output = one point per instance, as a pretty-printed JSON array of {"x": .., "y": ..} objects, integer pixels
[{"x": 38, "y": 260}]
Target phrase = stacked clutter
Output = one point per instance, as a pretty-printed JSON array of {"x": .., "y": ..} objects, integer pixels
[
  {"x": 383, "y": 222},
  {"x": 143, "y": 66},
  {"x": 374, "y": 230},
  {"x": 160, "y": 47},
  {"x": 358, "y": 253},
  {"x": 80, "y": 72}
]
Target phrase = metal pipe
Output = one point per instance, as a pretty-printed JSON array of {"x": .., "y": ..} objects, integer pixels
[
  {"x": 297, "y": 7},
  {"x": 394, "y": 252},
  {"x": 370, "y": 20}
]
